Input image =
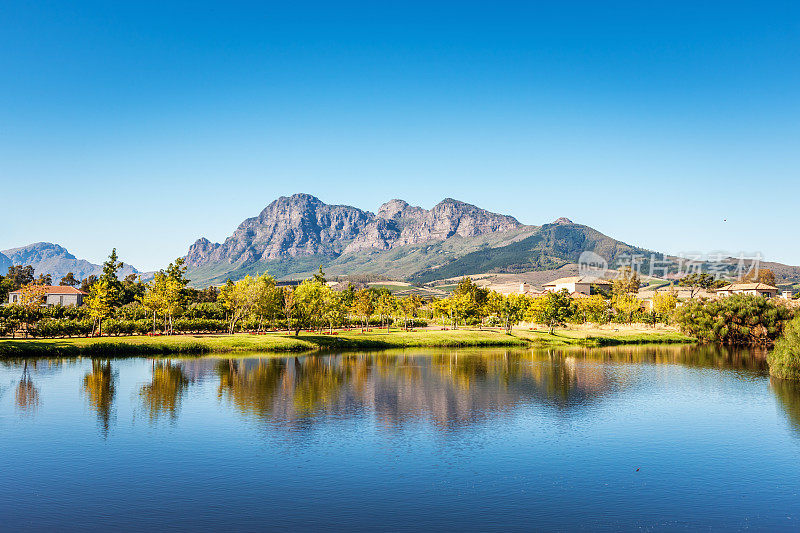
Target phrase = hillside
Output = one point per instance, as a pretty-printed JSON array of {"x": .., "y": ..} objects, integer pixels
[{"x": 49, "y": 258}]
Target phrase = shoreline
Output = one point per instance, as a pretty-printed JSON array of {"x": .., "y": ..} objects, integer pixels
[{"x": 280, "y": 343}]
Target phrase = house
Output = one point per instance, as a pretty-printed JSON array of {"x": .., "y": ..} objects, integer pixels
[
  {"x": 646, "y": 294},
  {"x": 580, "y": 284},
  {"x": 54, "y": 295},
  {"x": 760, "y": 289}
]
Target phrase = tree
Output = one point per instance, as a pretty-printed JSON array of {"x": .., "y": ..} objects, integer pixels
[
  {"x": 268, "y": 299},
  {"x": 664, "y": 304},
  {"x": 31, "y": 300},
  {"x": 109, "y": 275},
  {"x": 132, "y": 289},
  {"x": 44, "y": 279},
  {"x": 627, "y": 281},
  {"x": 385, "y": 307},
  {"x": 625, "y": 305},
  {"x": 20, "y": 276},
  {"x": 553, "y": 309},
  {"x": 239, "y": 298},
  {"x": 698, "y": 281},
  {"x": 761, "y": 275},
  {"x": 509, "y": 309},
  {"x": 288, "y": 305},
  {"x": 5, "y": 287},
  {"x": 86, "y": 283},
  {"x": 364, "y": 305},
  {"x": 335, "y": 311},
  {"x": 310, "y": 304},
  {"x": 319, "y": 277},
  {"x": 100, "y": 303},
  {"x": 69, "y": 280},
  {"x": 592, "y": 309},
  {"x": 410, "y": 306}
]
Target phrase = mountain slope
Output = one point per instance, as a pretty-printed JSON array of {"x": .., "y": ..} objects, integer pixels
[
  {"x": 292, "y": 233},
  {"x": 5, "y": 262},
  {"x": 550, "y": 246},
  {"x": 49, "y": 258}
]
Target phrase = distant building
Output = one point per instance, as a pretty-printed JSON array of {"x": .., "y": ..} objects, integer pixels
[
  {"x": 54, "y": 295},
  {"x": 760, "y": 289},
  {"x": 578, "y": 284},
  {"x": 786, "y": 295}
]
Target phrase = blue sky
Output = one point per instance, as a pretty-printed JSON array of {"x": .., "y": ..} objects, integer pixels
[{"x": 144, "y": 126}]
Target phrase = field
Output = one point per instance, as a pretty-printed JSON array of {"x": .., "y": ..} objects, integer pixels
[{"x": 350, "y": 340}]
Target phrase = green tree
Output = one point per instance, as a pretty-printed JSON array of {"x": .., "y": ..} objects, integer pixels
[
  {"x": 100, "y": 303},
  {"x": 310, "y": 305},
  {"x": 69, "y": 280},
  {"x": 553, "y": 309},
  {"x": 626, "y": 282},
  {"x": 364, "y": 306},
  {"x": 697, "y": 282},
  {"x": 592, "y": 309},
  {"x": 664, "y": 304},
  {"x": 239, "y": 299},
  {"x": 386, "y": 307},
  {"x": 20, "y": 276},
  {"x": 110, "y": 268}
]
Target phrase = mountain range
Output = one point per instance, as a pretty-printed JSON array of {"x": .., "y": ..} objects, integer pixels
[
  {"x": 49, "y": 258},
  {"x": 294, "y": 235}
]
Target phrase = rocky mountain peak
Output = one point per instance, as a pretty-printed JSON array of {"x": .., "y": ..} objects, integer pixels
[
  {"x": 302, "y": 224},
  {"x": 562, "y": 221},
  {"x": 392, "y": 208}
]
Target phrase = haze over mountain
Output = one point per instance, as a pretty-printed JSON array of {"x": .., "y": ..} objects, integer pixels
[{"x": 49, "y": 258}]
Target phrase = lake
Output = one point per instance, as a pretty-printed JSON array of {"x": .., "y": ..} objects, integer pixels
[{"x": 605, "y": 439}]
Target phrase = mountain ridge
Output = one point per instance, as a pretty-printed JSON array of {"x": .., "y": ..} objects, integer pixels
[{"x": 54, "y": 259}]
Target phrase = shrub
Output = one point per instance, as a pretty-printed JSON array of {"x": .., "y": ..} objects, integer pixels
[
  {"x": 784, "y": 360},
  {"x": 736, "y": 320}
]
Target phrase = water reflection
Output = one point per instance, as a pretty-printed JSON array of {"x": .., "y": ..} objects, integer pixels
[
  {"x": 26, "y": 394},
  {"x": 98, "y": 386},
  {"x": 163, "y": 395},
  {"x": 449, "y": 389},
  {"x": 788, "y": 396}
]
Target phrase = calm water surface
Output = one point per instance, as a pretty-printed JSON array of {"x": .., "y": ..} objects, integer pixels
[{"x": 634, "y": 438}]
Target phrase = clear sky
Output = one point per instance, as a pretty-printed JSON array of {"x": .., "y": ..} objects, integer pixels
[{"x": 670, "y": 125}]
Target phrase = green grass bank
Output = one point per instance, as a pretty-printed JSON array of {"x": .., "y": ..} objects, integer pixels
[{"x": 282, "y": 343}]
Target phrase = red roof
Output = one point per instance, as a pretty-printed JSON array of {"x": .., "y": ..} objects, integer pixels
[{"x": 57, "y": 289}]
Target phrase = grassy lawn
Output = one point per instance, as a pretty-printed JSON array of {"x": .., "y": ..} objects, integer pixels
[{"x": 280, "y": 343}]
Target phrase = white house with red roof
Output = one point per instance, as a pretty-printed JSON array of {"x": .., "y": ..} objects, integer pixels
[{"x": 54, "y": 295}]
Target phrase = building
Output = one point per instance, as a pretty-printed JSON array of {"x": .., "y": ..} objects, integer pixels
[
  {"x": 760, "y": 289},
  {"x": 579, "y": 284},
  {"x": 54, "y": 295}
]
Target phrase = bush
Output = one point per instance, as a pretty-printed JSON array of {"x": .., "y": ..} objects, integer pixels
[
  {"x": 784, "y": 360},
  {"x": 735, "y": 320}
]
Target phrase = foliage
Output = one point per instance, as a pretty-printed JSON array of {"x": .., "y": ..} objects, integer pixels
[
  {"x": 100, "y": 302},
  {"x": 735, "y": 320},
  {"x": 553, "y": 309},
  {"x": 593, "y": 309},
  {"x": 784, "y": 360}
]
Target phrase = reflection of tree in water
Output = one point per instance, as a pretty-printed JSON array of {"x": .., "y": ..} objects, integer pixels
[
  {"x": 27, "y": 395},
  {"x": 788, "y": 394},
  {"x": 703, "y": 356},
  {"x": 162, "y": 396},
  {"x": 449, "y": 388},
  {"x": 251, "y": 389},
  {"x": 98, "y": 385}
]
